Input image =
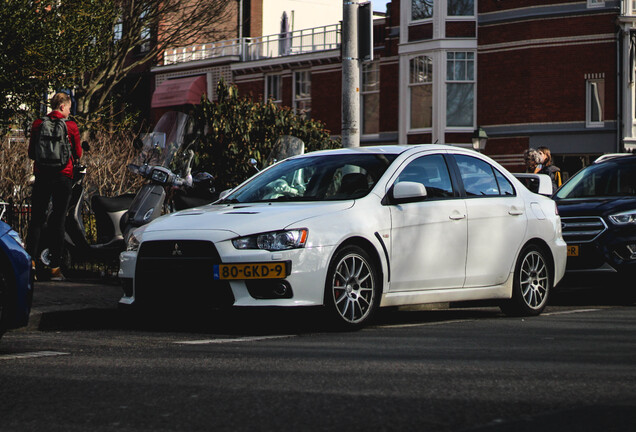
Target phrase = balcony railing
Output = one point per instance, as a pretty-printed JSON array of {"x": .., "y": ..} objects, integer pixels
[{"x": 279, "y": 45}]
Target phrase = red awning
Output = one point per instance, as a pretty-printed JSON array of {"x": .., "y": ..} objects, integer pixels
[{"x": 179, "y": 92}]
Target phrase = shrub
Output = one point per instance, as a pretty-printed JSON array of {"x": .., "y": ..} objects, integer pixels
[{"x": 235, "y": 129}]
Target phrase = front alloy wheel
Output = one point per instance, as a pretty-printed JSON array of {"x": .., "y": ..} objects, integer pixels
[
  {"x": 532, "y": 283},
  {"x": 352, "y": 288}
]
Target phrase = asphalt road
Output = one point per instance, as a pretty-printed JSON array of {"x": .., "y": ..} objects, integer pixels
[{"x": 83, "y": 365}]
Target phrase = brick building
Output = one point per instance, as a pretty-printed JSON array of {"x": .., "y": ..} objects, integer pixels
[{"x": 528, "y": 72}]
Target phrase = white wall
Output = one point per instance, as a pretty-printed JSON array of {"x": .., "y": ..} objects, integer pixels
[{"x": 302, "y": 14}]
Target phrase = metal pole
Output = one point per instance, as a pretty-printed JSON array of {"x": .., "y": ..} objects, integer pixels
[{"x": 350, "y": 75}]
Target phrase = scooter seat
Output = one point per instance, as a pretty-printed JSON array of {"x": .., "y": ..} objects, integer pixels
[{"x": 111, "y": 204}]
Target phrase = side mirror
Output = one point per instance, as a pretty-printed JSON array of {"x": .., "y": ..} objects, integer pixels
[
  {"x": 133, "y": 168},
  {"x": 254, "y": 164},
  {"x": 86, "y": 146},
  {"x": 138, "y": 144},
  {"x": 408, "y": 191}
]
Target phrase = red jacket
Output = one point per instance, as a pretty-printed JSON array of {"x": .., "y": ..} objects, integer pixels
[{"x": 73, "y": 136}]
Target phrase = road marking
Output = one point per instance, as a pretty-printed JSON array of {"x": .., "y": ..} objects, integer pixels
[
  {"x": 423, "y": 324},
  {"x": 232, "y": 340},
  {"x": 570, "y": 312},
  {"x": 33, "y": 354}
]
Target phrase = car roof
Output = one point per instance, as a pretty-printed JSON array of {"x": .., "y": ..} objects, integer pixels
[
  {"x": 387, "y": 149},
  {"x": 615, "y": 156}
]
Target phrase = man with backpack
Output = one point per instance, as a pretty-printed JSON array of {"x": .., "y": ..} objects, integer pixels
[{"x": 54, "y": 146}]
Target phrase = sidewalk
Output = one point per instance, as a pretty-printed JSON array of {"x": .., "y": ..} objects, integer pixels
[{"x": 71, "y": 295}]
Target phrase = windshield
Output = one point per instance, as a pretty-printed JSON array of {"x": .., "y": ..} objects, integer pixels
[
  {"x": 163, "y": 143},
  {"x": 315, "y": 178},
  {"x": 602, "y": 180}
]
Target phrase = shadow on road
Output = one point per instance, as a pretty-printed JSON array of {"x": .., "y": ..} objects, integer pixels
[
  {"x": 86, "y": 307},
  {"x": 594, "y": 289}
]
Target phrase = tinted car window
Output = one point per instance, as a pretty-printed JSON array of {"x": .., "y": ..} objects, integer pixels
[
  {"x": 432, "y": 172},
  {"x": 478, "y": 176},
  {"x": 605, "y": 179}
]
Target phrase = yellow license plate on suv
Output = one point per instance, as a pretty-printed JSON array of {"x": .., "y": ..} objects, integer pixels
[
  {"x": 270, "y": 270},
  {"x": 573, "y": 251}
]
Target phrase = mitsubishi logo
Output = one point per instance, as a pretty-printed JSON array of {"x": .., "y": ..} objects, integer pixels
[{"x": 177, "y": 251}]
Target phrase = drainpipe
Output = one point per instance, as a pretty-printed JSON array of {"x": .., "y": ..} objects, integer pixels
[
  {"x": 240, "y": 23},
  {"x": 619, "y": 89}
]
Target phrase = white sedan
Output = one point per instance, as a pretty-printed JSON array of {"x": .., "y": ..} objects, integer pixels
[{"x": 353, "y": 230}]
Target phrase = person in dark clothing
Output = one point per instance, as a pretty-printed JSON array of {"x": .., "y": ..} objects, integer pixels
[
  {"x": 52, "y": 186},
  {"x": 547, "y": 167}
]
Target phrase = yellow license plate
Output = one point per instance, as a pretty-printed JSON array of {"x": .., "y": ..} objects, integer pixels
[
  {"x": 270, "y": 270},
  {"x": 573, "y": 251}
]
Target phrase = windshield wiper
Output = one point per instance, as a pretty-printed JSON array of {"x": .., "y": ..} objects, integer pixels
[{"x": 228, "y": 201}]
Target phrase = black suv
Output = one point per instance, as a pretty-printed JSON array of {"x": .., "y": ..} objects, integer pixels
[{"x": 598, "y": 215}]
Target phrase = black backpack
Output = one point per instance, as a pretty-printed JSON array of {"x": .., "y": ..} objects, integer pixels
[{"x": 52, "y": 148}]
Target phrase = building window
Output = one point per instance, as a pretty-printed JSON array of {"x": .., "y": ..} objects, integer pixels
[
  {"x": 460, "y": 89},
  {"x": 370, "y": 98},
  {"x": 461, "y": 7},
  {"x": 302, "y": 93},
  {"x": 421, "y": 90},
  {"x": 421, "y": 9},
  {"x": 145, "y": 33},
  {"x": 118, "y": 31},
  {"x": 595, "y": 95},
  {"x": 273, "y": 89}
]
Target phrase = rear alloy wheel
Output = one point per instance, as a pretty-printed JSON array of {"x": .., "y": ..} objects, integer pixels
[
  {"x": 531, "y": 285},
  {"x": 352, "y": 290}
]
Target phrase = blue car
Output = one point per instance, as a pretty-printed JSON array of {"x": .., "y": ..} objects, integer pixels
[{"x": 16, "y": 280}]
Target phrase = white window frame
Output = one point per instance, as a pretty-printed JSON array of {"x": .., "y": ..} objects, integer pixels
[
  {"x": 466, "y": 80},
  {"x": 299, "y": 74},
  {"x": 589, "y": 94},
  {"x": 365, "y": 91},
  {"x": 268, "y": 90},
  {"x": 410, "y": 85}
]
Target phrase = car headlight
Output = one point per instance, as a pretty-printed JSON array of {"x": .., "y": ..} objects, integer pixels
[
  {"x": 273, "y": 241},
  {"x": 15, "y": 236},
  {"x": 132, "y": 245},
  {"x": 624, "y": 218}
]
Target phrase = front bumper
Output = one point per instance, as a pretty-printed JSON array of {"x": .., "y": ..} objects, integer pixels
[
  {"x": 152, "y": 278},
  {"x": 612, "y": 251}
]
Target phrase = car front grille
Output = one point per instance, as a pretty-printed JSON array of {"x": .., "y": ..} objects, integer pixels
[
  {"x": 582, "y": 229},
  {"x": 179, "y": 272}
]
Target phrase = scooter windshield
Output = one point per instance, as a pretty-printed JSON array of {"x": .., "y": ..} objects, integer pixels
[{"x": 163, "y": 143}]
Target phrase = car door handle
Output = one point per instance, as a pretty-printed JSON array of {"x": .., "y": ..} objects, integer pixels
[
  {"x": 515, "y": 211},
  {"x": 457, "y": 216}
]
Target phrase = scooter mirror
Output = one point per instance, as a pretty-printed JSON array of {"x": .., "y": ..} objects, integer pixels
[
  {"x": 133, "y": 168},
  {"x": 254, "y": 163},
  {"x": 86, "y": 146},
  {"x": 138, "y": 144}
]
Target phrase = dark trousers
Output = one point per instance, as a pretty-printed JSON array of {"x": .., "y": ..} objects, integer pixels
[{"x": 55, "y": 188}]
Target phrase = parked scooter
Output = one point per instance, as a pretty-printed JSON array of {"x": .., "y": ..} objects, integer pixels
[
  {"x": 166, "y": 162},
  {"x": 108, "y": 212},
  {"x": 284, "y": 147},
  {"x": 160, "y": 152}
]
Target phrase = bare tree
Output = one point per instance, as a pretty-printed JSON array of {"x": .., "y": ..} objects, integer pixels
[{"x": 141, "y": 32}]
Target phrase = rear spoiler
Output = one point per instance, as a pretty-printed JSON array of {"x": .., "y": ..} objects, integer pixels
[{"x": 538, "y": 183}]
